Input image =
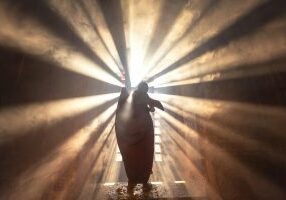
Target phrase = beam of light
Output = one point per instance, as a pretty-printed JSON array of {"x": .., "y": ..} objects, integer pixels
[
  {"x": 205, "y": 107},
  {"x": 140, "y": 29},
  {"x": 230, "y": 62},
  {"x": 158, "y": 157},
  {"x": 177, "y": 123},
  {"x": 156, "y": 182},
  {"x": 34, "y": 181},
  {"x": 105, "y": 150},
  {"x": 156, "y": 123},
  {"x": 216, "y": 154},
  {"x": 221, "y": 16},
  {"x": 210, "y": 77},
  {"x": 103, "y": 30},
  {"x": 197, "y": 10},
  {"x": 158, "y": 148},
  {"x": 231, "y": 164},
  {"x": 77, "y": 17},
  {"x": 109, "y": 184},
  {"x": 161, "y": 168},
  {"x": 107, "y": 165},
  {"x": 184, "y": 165},
  {"x": 179, "y": 27},
  {"x": 32, "y": 116},
  {"x": 273, "y": 115},
  {"x": 182, "y": 182},
  {"x": 95, "y": 160},
  {"x": 30, "y": 36},
  {"x": 230, "y": 135},
  {"x": 267, "y": 118},
  {"x": 189, "y": 134},
  {"x": 118, "y": 158},
  {"x": 157, "y": 139}
]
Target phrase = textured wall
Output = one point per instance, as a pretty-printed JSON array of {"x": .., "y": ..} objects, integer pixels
[{"x": 218, "y": 66}]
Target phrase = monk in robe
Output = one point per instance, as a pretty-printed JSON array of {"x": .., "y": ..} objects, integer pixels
[{"x": 135, "y": 134}]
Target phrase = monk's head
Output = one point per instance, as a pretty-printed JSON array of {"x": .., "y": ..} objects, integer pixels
[{"x": 143, "y": 87}]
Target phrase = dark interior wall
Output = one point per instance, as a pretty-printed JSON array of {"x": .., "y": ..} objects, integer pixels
[{"x": 242, "y": 142}]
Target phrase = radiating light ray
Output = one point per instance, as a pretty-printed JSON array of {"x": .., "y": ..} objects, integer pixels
[
  {"x": 199, "y": 10},
  {"x": 196, "y": 105},
  {"x": 230, "y": 61},
  {"x": 157, "y": 139},
  {"x": 111, "y": 168},
  {"x": 105, "y": 170},
  {"x": 109, "y": 184},
  {"x": 220, "y": 17},
  {"x": 75, "y": 14},
  {"x": 207, "y": 78},
  {"x": 185, "y": 138},
  {"x": 157, "y": 148},
  {"x": 140, "y": 30},
  {"x": 249, "y": 176},
  {"x": 32, "y": 116},
  {"x": 33, "y": 38},
  {"x": 103, "y": 31},
  {"x": 189, "y": 134},
  {"x": 97, "y": 159},
  {"x": 231, "y": 136},
  {"x": 33, "y": 182},
  {"x": 156, "y": 183},
  {"x": 216, "y": 154},
  {"x": 273, "y": 116},
  {"x": 177, "y": 123},
  {"x": 188, "y": 15},
  {"x": 98, "y": 19},
  {"x": 164, "y": 170},
  {"x": 180, "y": 182},
  {"x": 185, "y": 167}
]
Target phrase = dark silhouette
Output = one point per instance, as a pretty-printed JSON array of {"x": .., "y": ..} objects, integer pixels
[{"x": 135, "y": 134}]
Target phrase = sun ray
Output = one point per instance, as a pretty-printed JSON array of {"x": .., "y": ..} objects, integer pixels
[
  {"x": 29, "y": 117},
  {"x": 33, "y": 38}
]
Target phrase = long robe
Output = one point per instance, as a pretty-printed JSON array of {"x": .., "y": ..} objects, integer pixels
[{"x": 135, "y": 136}]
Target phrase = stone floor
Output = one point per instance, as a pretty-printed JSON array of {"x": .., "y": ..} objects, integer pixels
[{"x": 158, "y": 191}]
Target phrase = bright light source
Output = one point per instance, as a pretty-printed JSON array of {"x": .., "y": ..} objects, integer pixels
[
  {"x": 108, "y": 184},
  {"x": 157, "y": 131},
  {"x": 156, "y": 183},
  {"x": 157, "y": 139},
  {"x": 158, "y": 157},
  {"x": 180, "y": 181},
  {"x": 157, "y": 148},
  {"x": 118, "y": 157}
]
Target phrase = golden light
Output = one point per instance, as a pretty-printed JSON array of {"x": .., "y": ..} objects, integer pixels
[
  {"x": 34, "y": 181},
  {"x": 226, "y": 62},
  {"x": 32, "y": 116},
  {"x": 211, "y": 24},
  {"x": 92, "y": 29},
  {"x": 32, "y": 37},
  {"x": 196, "y": 140},
  {"x": 139, "y": 32}
]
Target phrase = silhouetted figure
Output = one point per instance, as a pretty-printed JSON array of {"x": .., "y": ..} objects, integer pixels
[{"x": 135, "y": 134}]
